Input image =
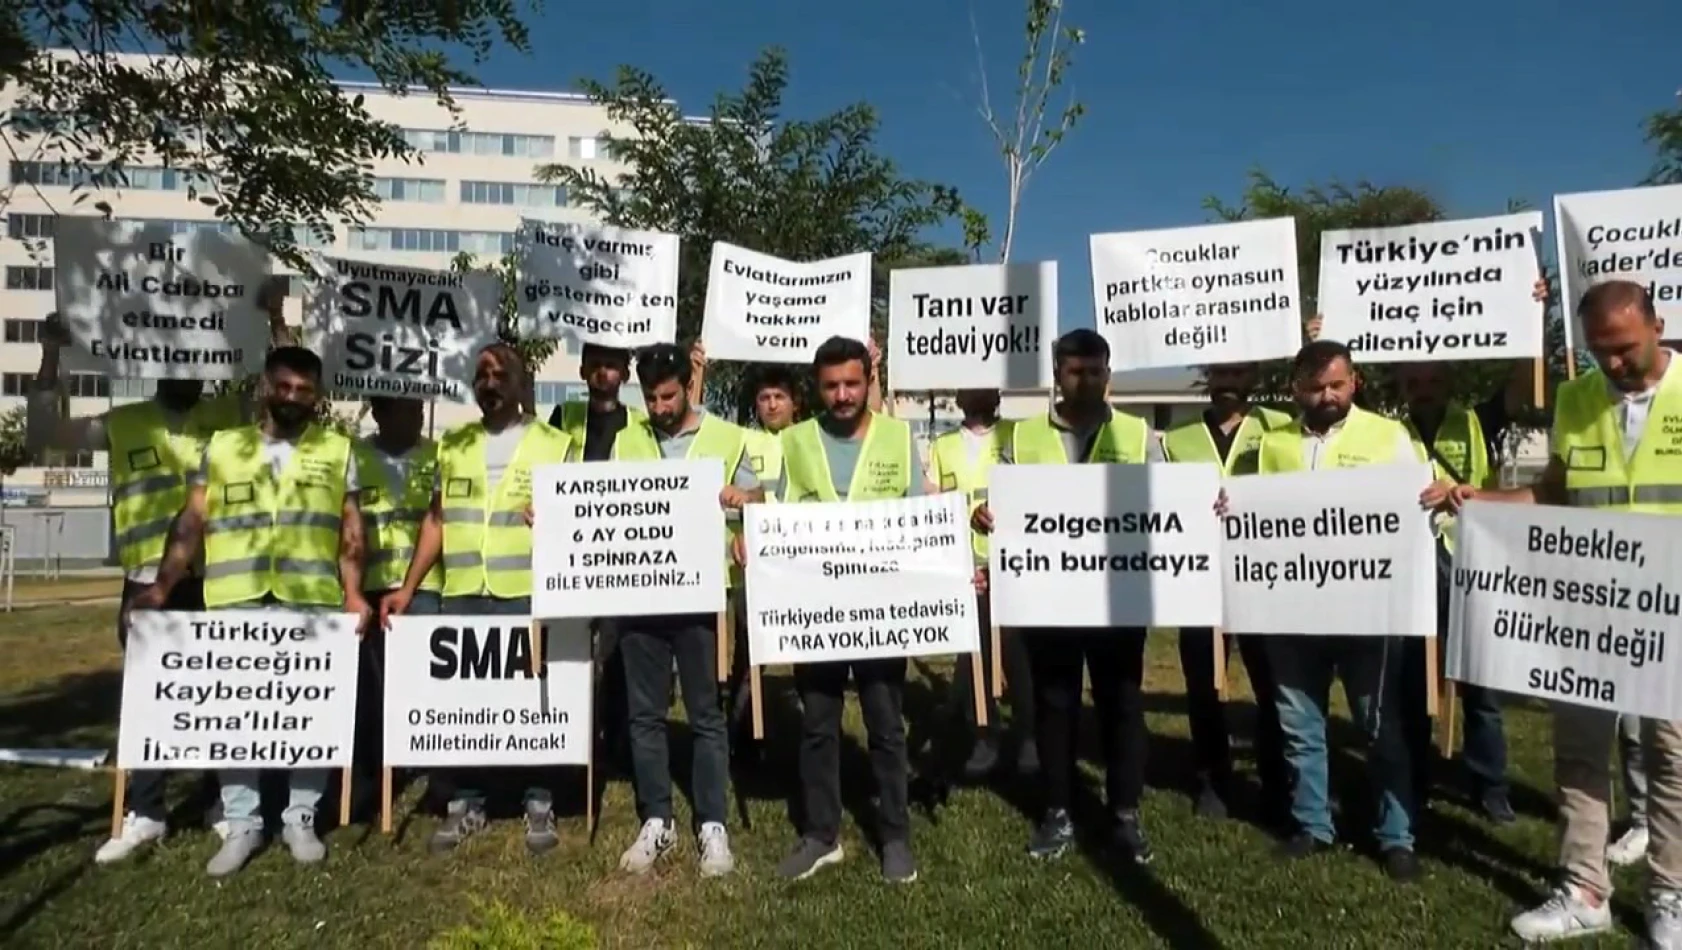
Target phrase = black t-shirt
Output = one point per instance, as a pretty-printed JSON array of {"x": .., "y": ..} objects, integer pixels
[
  {"x": 600, "y": 429},
  {"x": 1223, "y": 439}
]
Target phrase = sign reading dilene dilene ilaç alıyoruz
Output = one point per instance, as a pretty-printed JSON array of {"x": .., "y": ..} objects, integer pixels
[
  {"x": 764, "y": 309},
  {"x": 1446, "y": 290},
  {"x": 623, "y": 539},
  {"x": 1566, "y": 604},
  {"x": 1105, "y": 545},
  {"x": 1630, "y": 234},
  {"x": 148, "y": 303},
  {"x": 1214, "y": 293},
  {"x": 238, "y": 689},
  {"x": 857, "y": 580},
  {"x": 462, "y": 691},
  {"x": 1334, "y": 552},
  {"x": 595, "y": 283},
  {"x": 406, "y": 332}
]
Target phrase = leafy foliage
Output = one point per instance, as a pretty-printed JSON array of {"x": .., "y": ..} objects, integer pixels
[
  {"x": 799, "y": 189},
  {"x": 241, "y": 97},
  {"x": 535, "y": 352},
  {"x": 1664, "y": 133},
  {"x": 13, "y": 454},
  {"x": 1336, "y": 206}
]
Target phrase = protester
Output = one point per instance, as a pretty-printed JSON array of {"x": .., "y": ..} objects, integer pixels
[
  {"x": 271, "y": 544},
  {"x": 478, "y": 526},
  {"x": 851, "y": 453},
  {"x": 1082, "y": 428},
  {"x": 649, "y": 645},
  {"x": 1603, "y": 416},
  {"x": 1229, "y": 434}
]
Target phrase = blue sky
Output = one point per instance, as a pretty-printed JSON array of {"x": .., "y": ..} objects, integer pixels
[{"x": 1474, "y": 100}]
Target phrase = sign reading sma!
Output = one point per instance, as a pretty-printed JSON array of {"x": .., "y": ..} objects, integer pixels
[
  {"x": 425, "y": 309},
  {"x": 490, "y": 653}
]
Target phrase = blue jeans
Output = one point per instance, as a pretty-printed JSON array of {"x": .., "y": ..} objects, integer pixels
[
  {"x": 1371, "y": 670},
  {"x": 463, "y": 785}
]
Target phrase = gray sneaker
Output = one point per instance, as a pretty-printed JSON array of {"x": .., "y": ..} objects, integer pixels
[
  {"x": 898, "y": 867},
  {"x": 301, "y": 840},
  {"x": 461, "y": 821},
  {"x": 541, "y": 836},
  {"x": 808, "y": 858},
  {"x": 1664, "y": 920},
  {"x": 237, "y": 848}
]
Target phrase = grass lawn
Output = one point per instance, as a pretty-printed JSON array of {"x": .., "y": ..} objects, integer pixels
[
  {"x": 35, "y": 591},
  {"x": 1212, "y": 885}
]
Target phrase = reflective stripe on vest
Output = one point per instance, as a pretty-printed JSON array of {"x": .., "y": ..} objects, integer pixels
[
  {"x": 1190, "y": 441},
  {"x": 1459, "y": 440},
  {"x": 1365, "y": 438},
  {"x": 1588, "y": 437},
  {"x": 1123, "y": 440},
  {"x": 266, "y": 537},
  {"x": 883, "y": 470},
  {"x": 715, "y": 439},
  {"x": 953, "y": 471},
  {"x": 487, "y": 543},
  {"x": 149, "y": 469},
  {"x": 392, "y": 514}
]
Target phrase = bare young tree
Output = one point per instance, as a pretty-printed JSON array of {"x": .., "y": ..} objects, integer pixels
[{"x": 1024, "y": 136}]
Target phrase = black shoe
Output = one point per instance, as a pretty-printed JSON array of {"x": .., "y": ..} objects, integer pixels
[
  {"x": 1210, "y": 803},
  {"x": 1300, "y": 845},
  {"x": 1052, "y": 836},
  {"x": 1496, "y": 807},
  {"x": 1028, "y": 758},
  {"x": 983, "y": 759},
  {"x": 1401, "y": 864},
  {"x": 1128, "y": 838}
]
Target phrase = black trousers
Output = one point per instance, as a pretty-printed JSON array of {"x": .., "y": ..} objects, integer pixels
[
  {"x": 145, "y": 794},
  {"x": 1116, "y": 659},
  {"x": 1210, "y": 735},
  {"x": 881, "y": 688},
  {"x": 1019, "y": 674},
  {"x": 613, "y": 712}
]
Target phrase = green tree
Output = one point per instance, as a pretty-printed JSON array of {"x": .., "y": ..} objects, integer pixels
[
  {"x": 241, "y": 96},
  {"x": 1664, "y": 133},
  {"x": 799, "y": 189},
  {"x": 535, "y": 352},
  {"x": 1337, "y": 206}
]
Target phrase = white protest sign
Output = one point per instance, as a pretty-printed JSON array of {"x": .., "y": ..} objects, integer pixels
[
  {"x": 594, "y": 283},
  {"x": 860, "y": 580},
  {"x": 148, "y": 303},
  {"x": 460, "y": 691},
  {"x": 1337, "y": 551},
  {"x": 1105, "y": 545},
  {"x": 763, "y": 309},
  {"x": 1216, "y": 293},
  {"x": 980, "y": 326},
  {"x": 247, "y": 689},
  {"x": 1568, "y": 604},
  {"x": 408, "y": 332},
  {"x": 1443, "y": 291},
  {"x": 628, "y": 539},
  {"x": 1630, "y": 234}
]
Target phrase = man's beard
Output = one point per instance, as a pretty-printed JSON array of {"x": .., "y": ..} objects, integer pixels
[
  {"x": 289, "y": 415},
  {"x": 1325, "y": 415}
]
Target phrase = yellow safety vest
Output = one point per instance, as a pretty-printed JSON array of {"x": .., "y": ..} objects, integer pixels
[
  {"x": 1124, "y": 439},
  {"x": 392, "y": 514},
  {"x": 149, "y": 469},
  {"x": 262, "y": 537},
  {"x": 765, "y": 457},
  {"x": 1459, "y": 440},
  {"x": 883, "y": 471},
  {"x": 1365, "y": 438},
  {"x": 1590, "y": 441},
  {"x": 575, "y": 417},
  {"x": 716, "y": 439},
  {"x": 487, "y": 543},
  {"x": 950, "y": 470},
  {"x": 1190, "y": 441}
]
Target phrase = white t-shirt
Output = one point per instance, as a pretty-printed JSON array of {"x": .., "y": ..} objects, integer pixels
[{"x": 1635, "y": 408}]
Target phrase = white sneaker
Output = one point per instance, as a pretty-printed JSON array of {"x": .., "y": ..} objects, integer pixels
[
  {"x": 301, "y": 840},
  {"x": 237, "y": 848},
  {"x": 1564, "y": 914},
  {"x": 655, "y": 839},
  {"x": 138, "y": 832},
  {"x": 1664, "y": 920},
  {"x": 714, "y": 842},
  {"x": 1630, "y": 848}
]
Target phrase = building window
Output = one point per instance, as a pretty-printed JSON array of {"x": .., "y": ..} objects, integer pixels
[
  {"x": 431, "y": 241},
  {"x": 464, "y": 142},
  {"x": 133, "y": 388},
  {"x": 139, "y": 177},
  {"x": 21, "y": 226},
  {"x": 87, "y": 386},
  {"x": 15, "y": 384},
  {"x": 587, "y": 148},
  {"x": 426, "y": 190},
  {"x": 57, "y": 458},
  {"x": 519, "y": 194},
  {"x": 23, "y": 331},
  {"x": 29, "y": 278}
]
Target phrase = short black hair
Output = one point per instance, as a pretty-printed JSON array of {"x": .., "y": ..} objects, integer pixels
[
  {"x": 1080, "y": 343},
  {"x": 838, "y": 350},
  {"x": 1316, "y": 356},
  {"x": 606, "y": 354},
  {"x": 775, "y": 376},
  {"x": 295, "y": 358},
  {"x": 661, "y": 362}
]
